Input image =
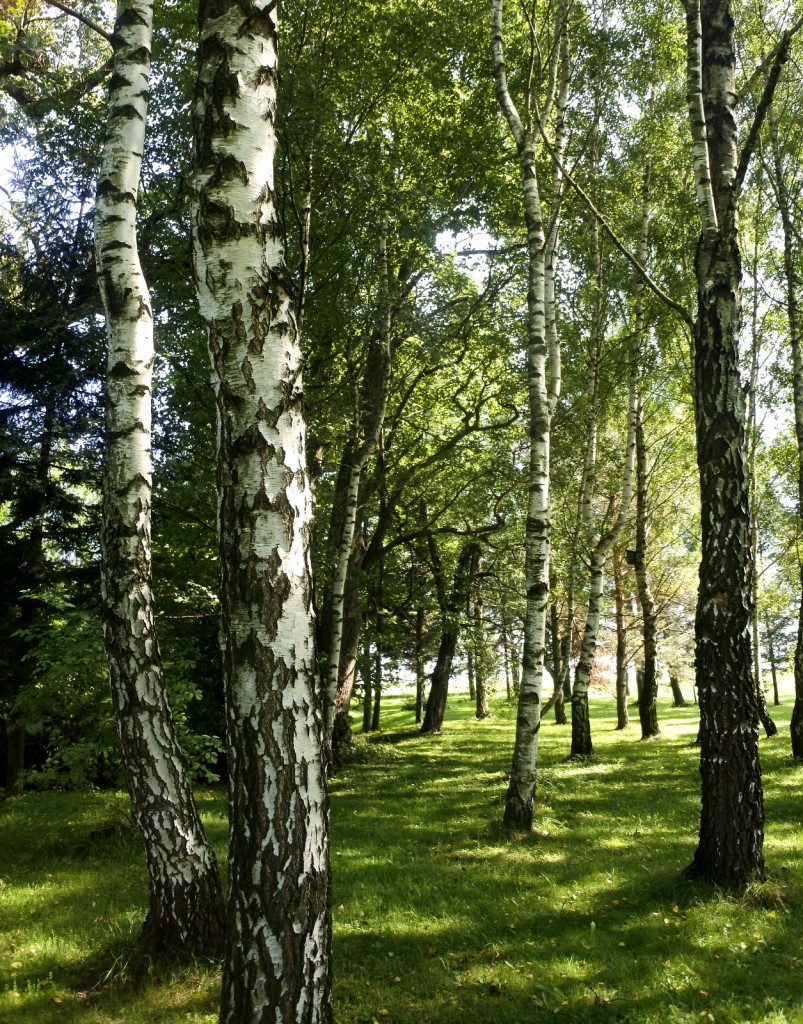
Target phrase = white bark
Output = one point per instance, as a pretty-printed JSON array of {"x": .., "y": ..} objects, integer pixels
[
  {"x": 369, "y": 422},
  {"x": 543, "y": 370},
  {"x": 277, "y": 963},
  {"x": 183, "y": 875},
  {"x": 600, "y": 543},
  {"x": 699, "y": 129}
]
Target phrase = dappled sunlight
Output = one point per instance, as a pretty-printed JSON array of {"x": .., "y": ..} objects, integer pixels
[{"x": 439, "y": 913}]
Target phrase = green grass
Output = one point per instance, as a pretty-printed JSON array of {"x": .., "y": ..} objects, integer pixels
[{"x": 439, "y": 916}]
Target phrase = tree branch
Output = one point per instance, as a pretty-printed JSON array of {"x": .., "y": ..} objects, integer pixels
[
  {"x": 622, "y": 248},
  {"x": 781, "y": 56},
  {"x": 82, "y": 18}
]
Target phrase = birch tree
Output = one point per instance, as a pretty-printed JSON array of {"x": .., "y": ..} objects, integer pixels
[
  {"x": 780, "y": 183},
  {"x": 543, "y": 374},
  {"x": 648, "y": 695},
  {"x": 730, "y": 848},
  {"x": 185, "y": 907},
  {"x": 374, "y": 391},
  {"x": 277, "y": 962},
  {"x": 599, "y": 543}
]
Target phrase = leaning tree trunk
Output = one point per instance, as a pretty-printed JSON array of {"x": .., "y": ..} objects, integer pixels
[
  {"x": 439, "y": 688},
  {"x": 543, "y": 375},
  {"x": 730, "y": 848},
  {"x": 185, "y": 901},
  {"x": 277, "y": 964},
  {"x": 792, "y": 313}
]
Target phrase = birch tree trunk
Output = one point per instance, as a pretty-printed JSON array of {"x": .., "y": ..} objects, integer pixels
[
  {"x": 581, "y": 722},
  {"x": 648, "y": 687},
  {"x": 185, "y": 899},
  {"x": 277, "y": 963},
  {"x": 622, "y": 718},
  {"x": 543, "y": 374},
  {"x": 730, "y": 848},
  {"x": 480, "y": 661},
  {"x": 770, "y": 728},
  {"x": 648, "y": 691},
  {"x": 420, "y": 619},
  {"x": 792, "y": 313},
  {"x": 370, "y": 418}
]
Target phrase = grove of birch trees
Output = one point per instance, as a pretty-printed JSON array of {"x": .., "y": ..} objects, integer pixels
[{"x": 347, "y": 345}]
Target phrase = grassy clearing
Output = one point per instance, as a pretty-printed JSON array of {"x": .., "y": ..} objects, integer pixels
[{"x": 439, "y": 917}]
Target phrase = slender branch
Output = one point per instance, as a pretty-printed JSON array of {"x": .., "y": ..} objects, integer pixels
[
  {"x": 618, "y": 244},
  {"x": 83, "y": 18},
  {"x": 781, "y": 56},
  {"x": 767, "y": 62}
]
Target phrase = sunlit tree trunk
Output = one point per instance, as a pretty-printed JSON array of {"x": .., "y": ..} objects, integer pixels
[
  {"x": 770, "y": 727},
  {"x": 730, "y": 848},
  {"x": 277, "y": 964},
  {"x": 185, "y": 900},
  {"x": 543, "y": 375}
]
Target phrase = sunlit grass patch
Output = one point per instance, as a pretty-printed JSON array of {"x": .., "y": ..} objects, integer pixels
[{"x": 440, "y": 915}]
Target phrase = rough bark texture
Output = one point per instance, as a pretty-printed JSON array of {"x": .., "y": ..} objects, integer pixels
[
  {"x": 185, "y": 900},
  {"x": 277, "y": 964},
  {"x": 732, "y": 819}
]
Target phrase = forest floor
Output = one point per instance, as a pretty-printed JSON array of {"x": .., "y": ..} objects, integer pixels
[{"x": 439, "y": 916}]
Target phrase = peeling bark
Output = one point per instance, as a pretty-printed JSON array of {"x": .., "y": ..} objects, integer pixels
[
  {"x": 730, "y": 848},
  {"x": 185, "y": 902},
  {"x": 277, "y": 963}
]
